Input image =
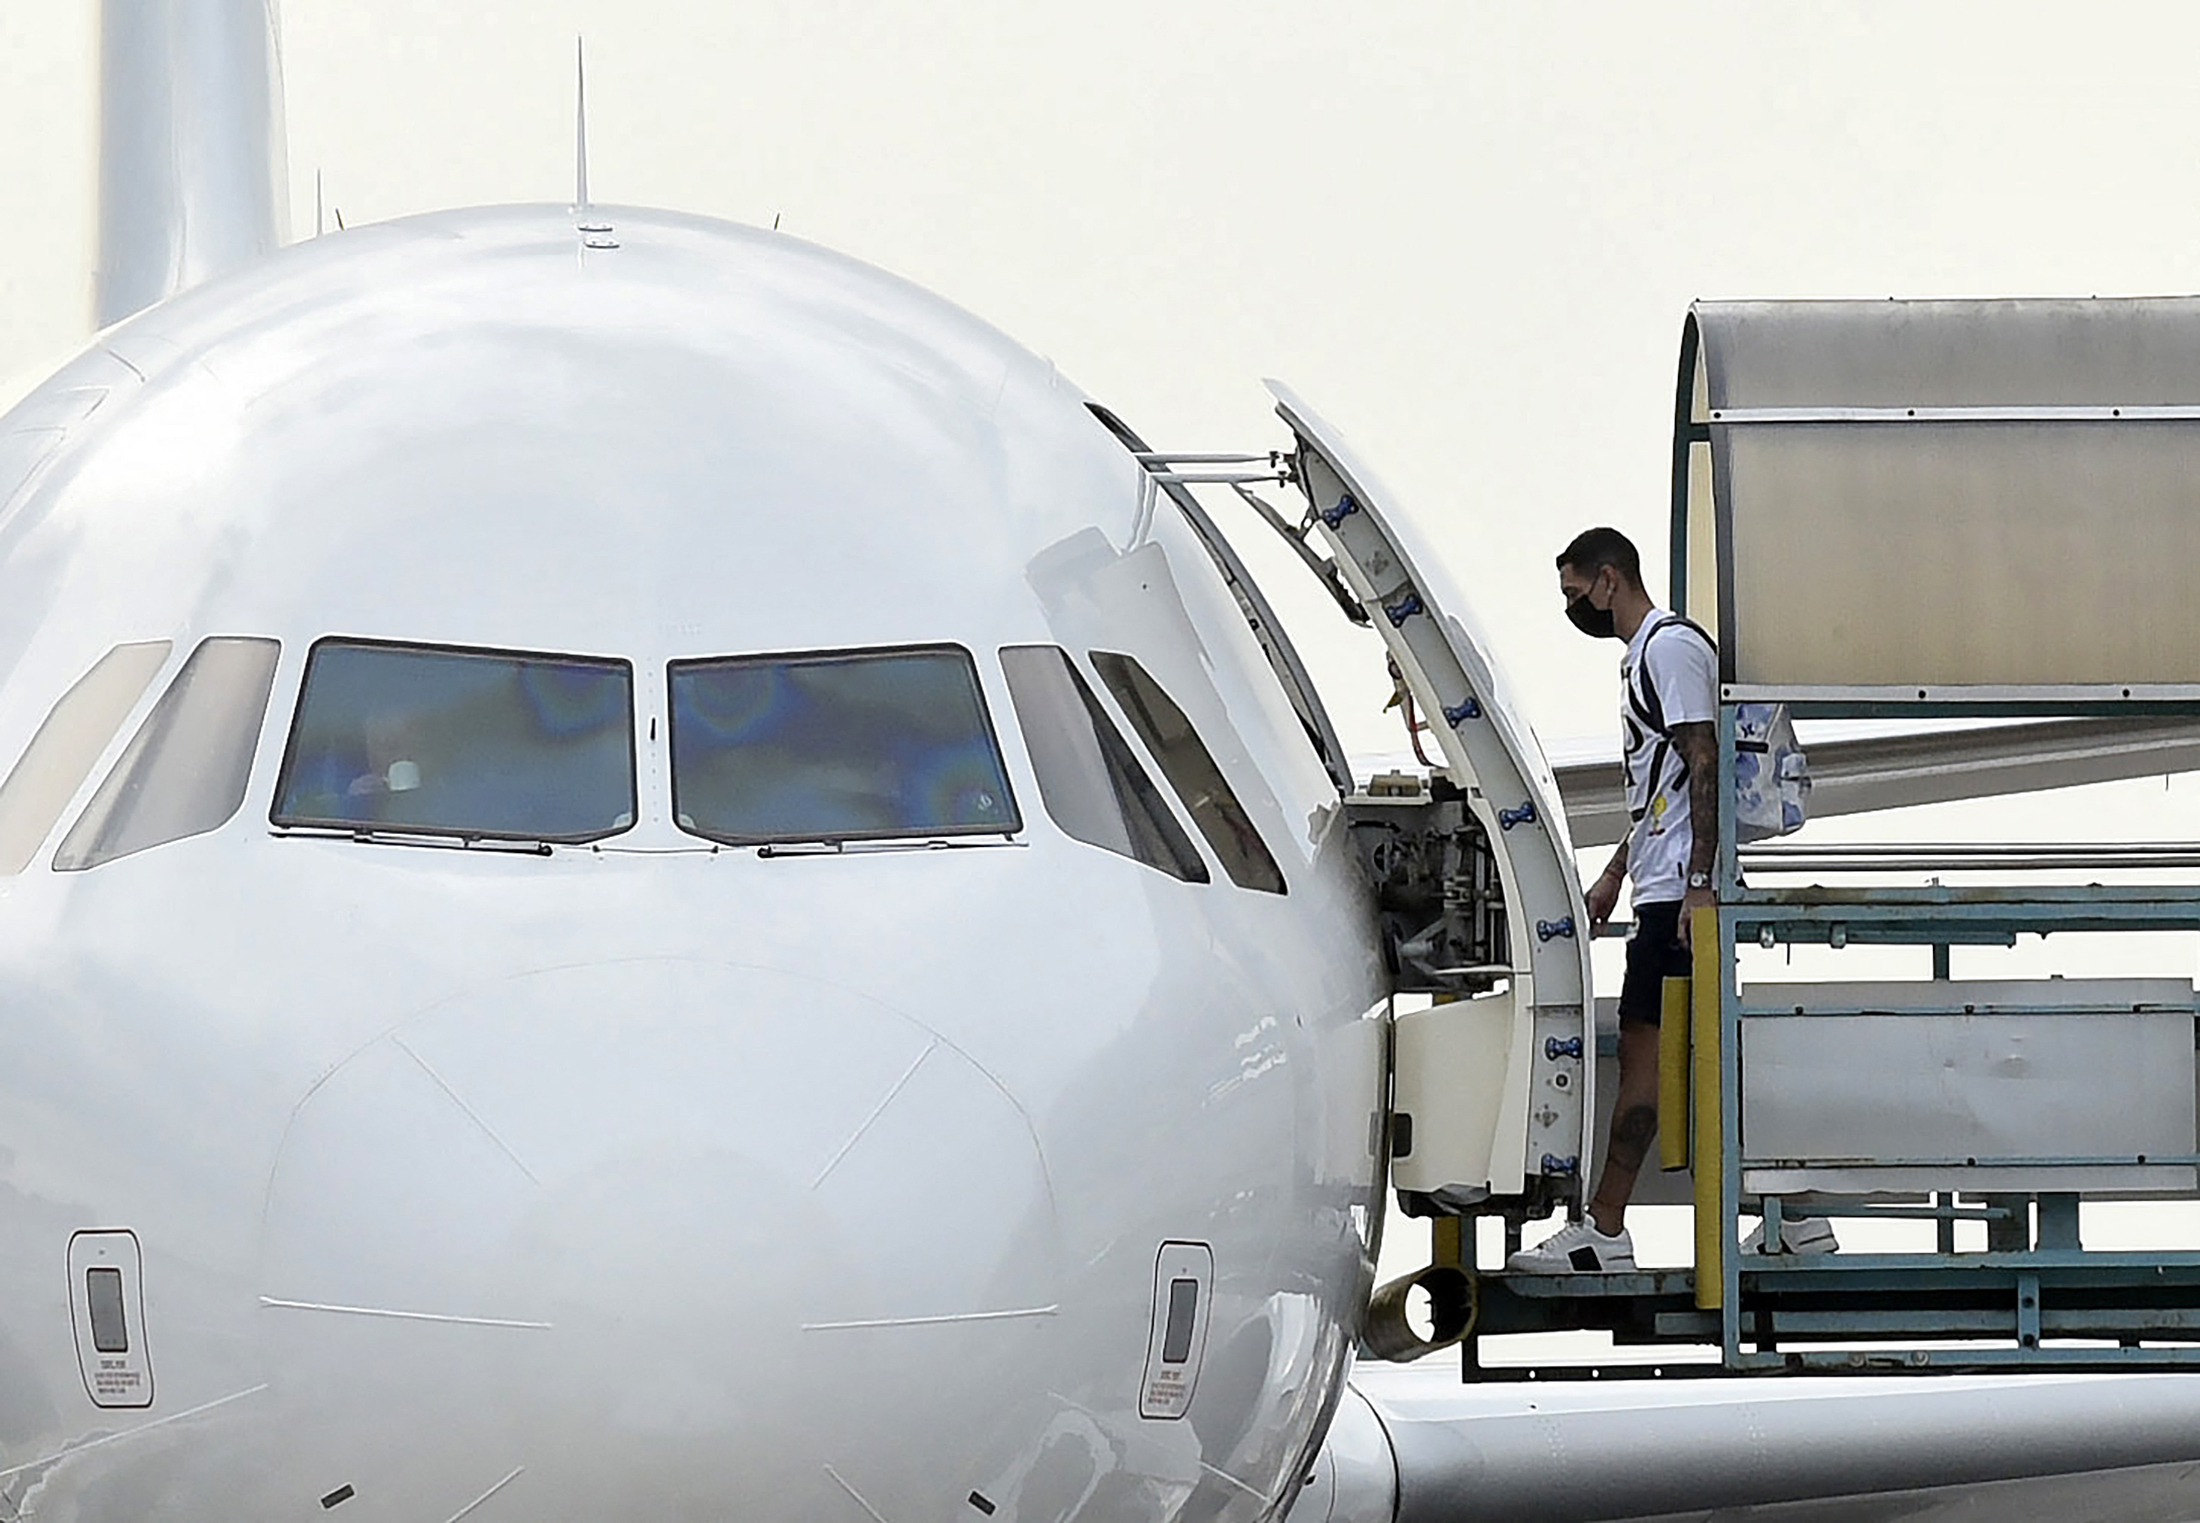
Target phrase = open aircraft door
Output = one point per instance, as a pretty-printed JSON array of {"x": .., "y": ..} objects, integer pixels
[{"x": 1491, "y": 1084}]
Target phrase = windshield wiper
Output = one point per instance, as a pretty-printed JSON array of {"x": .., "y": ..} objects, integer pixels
[
  {"x": 432, "y": 840},
  {"x": 831, "y": 848}
]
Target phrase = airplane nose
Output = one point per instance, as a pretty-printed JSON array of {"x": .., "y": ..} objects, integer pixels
[{"x": 719, "y": 1242}]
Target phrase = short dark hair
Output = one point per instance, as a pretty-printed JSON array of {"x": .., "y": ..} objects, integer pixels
[{"x": 1594, "y": 549}]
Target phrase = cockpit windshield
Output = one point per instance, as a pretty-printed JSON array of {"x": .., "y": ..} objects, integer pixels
[
  {"x": 471, "y": 743},
  {"x": 852, "y": 745}
]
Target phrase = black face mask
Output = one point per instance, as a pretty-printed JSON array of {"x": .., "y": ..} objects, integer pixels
[{"x": 1595, "y": 622}]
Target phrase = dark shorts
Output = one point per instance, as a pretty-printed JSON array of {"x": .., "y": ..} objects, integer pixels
[{"x": 1654, "y": 954}]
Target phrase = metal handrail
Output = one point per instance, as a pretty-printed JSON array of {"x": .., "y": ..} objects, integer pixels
[{"x": 1967, "y": 857}]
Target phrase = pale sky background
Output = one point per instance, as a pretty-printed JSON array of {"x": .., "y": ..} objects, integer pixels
[{"x": 1467, "y": 232}]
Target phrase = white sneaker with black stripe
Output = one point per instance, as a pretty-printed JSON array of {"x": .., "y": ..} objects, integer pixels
[
  {"x": 1798, "y": 1234},
  {"x": 1576, "y": 1249}
]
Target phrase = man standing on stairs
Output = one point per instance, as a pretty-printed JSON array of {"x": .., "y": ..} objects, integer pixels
[{"x": 1668, "y": 704}]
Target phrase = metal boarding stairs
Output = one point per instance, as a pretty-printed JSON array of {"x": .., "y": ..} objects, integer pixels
[{"x": 1943, "y": 463}]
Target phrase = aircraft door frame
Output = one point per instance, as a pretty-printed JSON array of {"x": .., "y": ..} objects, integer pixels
[{"x": 1541, "y": 1121}]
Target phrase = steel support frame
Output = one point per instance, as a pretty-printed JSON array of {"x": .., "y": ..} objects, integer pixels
[
  {"x": 2049, "y": 1286},
  {"x": 2038, "y": 1272}
]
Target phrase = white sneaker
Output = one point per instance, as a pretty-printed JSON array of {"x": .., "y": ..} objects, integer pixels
[
  {"x": 1576, "y": 1249},
  {"x": 1798, "y": 1234}
]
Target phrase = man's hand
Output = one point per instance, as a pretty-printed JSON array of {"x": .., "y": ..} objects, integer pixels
[
  {"x": 1692, "y": 901},
  {"x": 1603, "y": 899}
]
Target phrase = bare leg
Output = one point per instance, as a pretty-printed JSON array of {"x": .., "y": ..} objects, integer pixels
[{"x": 1634, "y": 1126}]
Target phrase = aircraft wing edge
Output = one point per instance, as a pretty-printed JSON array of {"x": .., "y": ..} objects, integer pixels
[
  {"x": 2122, "y": 1446},
  {"x": 1861, "y": 776}
]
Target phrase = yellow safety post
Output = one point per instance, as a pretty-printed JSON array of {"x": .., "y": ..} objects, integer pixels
[
  {"x": 1673, "y": 1118},
  {"x": 1710, "y": 1168},
  {"x": 1448, "y": 1243}
]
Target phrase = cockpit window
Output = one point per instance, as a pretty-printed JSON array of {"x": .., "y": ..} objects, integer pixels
[
  {"x": 61, "y": 754},
  {"x": 846, "y": 746},
  {"x": 479, "y": 744},
  {"x": 1089, "y": 779},
  {"x": 184, "y": 772},
  {"x": 1191, "y": 771}
]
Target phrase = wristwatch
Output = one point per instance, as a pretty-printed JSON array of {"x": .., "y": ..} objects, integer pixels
[{"x": 1699, "y": 880}]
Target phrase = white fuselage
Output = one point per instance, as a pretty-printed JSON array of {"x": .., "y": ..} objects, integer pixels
[{"x": 652, "y": 1178}]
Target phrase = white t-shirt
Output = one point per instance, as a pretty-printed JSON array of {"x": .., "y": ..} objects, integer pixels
[{"x": 1683, "y": 672}]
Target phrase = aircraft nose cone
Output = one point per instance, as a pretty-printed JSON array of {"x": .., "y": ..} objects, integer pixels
[{"x": 665, "y": 1233}]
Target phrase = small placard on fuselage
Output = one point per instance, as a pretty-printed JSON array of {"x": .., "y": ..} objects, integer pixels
[
  {"x": 107, "y": 1304},
  {"x": 1183, "y": 1285}
]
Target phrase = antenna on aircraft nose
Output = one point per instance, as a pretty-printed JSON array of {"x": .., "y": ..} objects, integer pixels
[
  {"x": 595, "y": 233},
  {"x": 580, "y": 125}
]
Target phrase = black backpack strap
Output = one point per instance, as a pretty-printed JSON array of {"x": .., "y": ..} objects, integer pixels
[
  {"x": 1649, "y": 708},
  {"x": 1685, "y": 622},
  {"x": 1642, "y": 694}
]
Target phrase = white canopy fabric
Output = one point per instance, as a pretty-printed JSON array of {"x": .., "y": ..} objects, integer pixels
[{"x": 1944, "y": 494}]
